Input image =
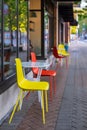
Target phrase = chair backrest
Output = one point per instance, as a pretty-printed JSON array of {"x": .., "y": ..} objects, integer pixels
[
  {"x": 33, "y": 59},
  {"x": 62, "y": 50},
  {"x": 55, "y": 52},
  {"x": 61, "y": 47},
  {"x": 19, "y": 71}
]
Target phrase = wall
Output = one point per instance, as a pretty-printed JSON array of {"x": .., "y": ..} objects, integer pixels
[
  {"x": 7, "y": 100},
  {"x": 67, "y": 33}
]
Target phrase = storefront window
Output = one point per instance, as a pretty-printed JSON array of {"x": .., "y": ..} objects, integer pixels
[
  {"x": 46, "y": 33},
  {"x": 0, "y": 39},
  {"x": 22, "y": 30},
  {"x": 35, "y": 25},
  {"x": 35, "y": 32},
  {"x": 48, "y": 27},
  {"x": 9, "y": 47},
  {"x": 13, "y": 38}
]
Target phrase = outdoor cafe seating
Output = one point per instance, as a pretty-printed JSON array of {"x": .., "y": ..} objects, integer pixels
[{"x": 59, "y": 56}]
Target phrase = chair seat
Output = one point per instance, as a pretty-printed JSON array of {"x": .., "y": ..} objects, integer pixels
[
  {"x": 56, "y": 54},
  {"x": 48, "y": 73},
  {"x": 30, "y": 85},
  {"x": 60, "y": 56},
  {"x": 45, "y": 72},
  {"x": 62, "y": 51},
  {"x": 64, "y": 54}
]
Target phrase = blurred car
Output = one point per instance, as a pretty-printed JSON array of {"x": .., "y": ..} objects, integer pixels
[{"x": 85, "y": 36}]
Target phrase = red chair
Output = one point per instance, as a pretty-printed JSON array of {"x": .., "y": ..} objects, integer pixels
[
  {"x": 50, "y": 73},
  {"x": 56, "y": 55}
]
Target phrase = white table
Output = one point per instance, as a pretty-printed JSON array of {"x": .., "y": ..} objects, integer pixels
[{"x": 41, "y": 65}]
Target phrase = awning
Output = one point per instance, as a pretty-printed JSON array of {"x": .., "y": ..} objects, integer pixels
[
  {"x": 74, "y": 23},
  {"x": 66, "y": 0},
  {"x": 66, "y": 12}
]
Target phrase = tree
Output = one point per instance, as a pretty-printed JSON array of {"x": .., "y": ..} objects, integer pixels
[
  {"x": 10, "y": 20},
  {"x": 82, "y": 19}
]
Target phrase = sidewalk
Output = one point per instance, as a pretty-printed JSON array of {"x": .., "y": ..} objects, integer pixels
[
  {"x": 73, "y": 112},
  {"x": 68, "y": 109}
]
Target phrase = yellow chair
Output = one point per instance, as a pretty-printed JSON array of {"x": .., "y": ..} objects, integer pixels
[
  {"x": 26, "y": 85},
  {"x": 62, "y": 51}
]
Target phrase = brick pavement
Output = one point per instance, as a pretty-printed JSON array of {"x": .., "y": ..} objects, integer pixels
[{"x": 73, "y": 112}]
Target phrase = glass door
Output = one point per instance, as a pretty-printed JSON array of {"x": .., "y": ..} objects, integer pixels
[{"x": 46, "y": 33}]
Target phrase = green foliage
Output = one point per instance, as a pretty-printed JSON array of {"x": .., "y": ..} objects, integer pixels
[
  {"x": 82, "y": 19},
  {"x": 83, "y": 25},
  {"x": 11, "y": 18}
]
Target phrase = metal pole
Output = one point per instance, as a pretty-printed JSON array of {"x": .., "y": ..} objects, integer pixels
[
  {"x": 2, "y": 40},
  {"x": 17, "y": 13},
  {"x": 28, "y": 44}
]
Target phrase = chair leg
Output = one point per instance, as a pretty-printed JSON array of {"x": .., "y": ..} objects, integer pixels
[
  {"x": 43, "y": 112},
  {"x": 66, "y": 63},
  {"x": 21, "y": 99},
  {"x": 60, "y": 60},
  {"x": 15, "y": 107},
  {"x": 54, "y": 81},
  {"x": 46, "y": 100},
  {"x": 57, "y": 66},
  {"x": 39, "y": 96},
  {"x": 28, "y": 94},
  {"x": 51, "y": 87}
]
